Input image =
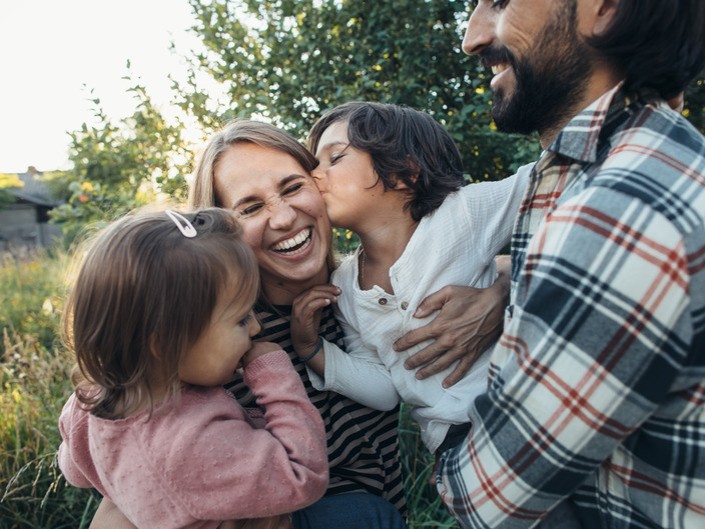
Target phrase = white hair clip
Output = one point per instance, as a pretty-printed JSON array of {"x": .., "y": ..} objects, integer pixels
[{"x": 185, "y": 227}]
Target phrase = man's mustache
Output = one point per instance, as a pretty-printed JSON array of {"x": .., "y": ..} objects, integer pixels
[{"x": 495, "y": 55}]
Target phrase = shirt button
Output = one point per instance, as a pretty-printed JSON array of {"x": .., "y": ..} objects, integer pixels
[
  {"x": 382, "y": 301},
  {"x": 404, "y": 305}
]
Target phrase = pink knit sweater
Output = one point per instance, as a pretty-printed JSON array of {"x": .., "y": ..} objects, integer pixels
[{"x": 203, "y": 460}]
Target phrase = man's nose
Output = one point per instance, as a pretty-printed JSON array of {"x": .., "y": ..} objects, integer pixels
[{"x": 480, "y": 31}]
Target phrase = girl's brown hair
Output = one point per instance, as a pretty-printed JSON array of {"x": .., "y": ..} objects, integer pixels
[{"x": 143, "y": 295}]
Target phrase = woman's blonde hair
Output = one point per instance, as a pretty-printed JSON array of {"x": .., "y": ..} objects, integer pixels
[
  {"x": 143, "y": 295},
  {"x": 202, "y": 190}
]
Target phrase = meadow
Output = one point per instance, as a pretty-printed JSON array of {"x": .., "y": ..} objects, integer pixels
[{"x": 35, "y": 377}]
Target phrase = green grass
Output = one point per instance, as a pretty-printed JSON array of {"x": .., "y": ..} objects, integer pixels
[
  {"x": 34, "y": 375},
  {"x": 35, "y": 380}
]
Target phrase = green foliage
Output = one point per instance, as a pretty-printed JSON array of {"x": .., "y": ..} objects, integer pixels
[
  {"x": 695, "y": 103},
  {"x": 117, "y": 167},
  {"x": 33, "y": 494},
  {"x": 289, "y": 61},
  {"x": 425, "y": 506},
  {"x": 30, "y": 299},
  {"x": 345, "y": 241},
  {"x": 34, "y": 380},
  {"x": 8, "y": 181}
]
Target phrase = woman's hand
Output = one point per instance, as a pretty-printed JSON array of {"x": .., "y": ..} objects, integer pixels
[
  {"x": 470, "y": 320},
  {"x": 306, "y": 321}
]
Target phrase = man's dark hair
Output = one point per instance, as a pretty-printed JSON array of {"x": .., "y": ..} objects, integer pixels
[
  {"x": 405, "y": 145},
  {"x": 658, "y": 44}
]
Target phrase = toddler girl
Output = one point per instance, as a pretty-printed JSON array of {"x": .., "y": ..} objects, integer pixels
[{"x": 159, "y": 317}]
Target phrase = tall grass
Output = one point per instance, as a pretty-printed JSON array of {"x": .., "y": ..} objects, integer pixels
[{"x": 34, "y": 375}]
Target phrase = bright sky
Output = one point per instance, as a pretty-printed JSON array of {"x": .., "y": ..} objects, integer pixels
[{"x": 50, "y": 49}]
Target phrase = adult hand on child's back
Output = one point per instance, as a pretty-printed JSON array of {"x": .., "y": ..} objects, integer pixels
[{"x": 469, "y": 321}]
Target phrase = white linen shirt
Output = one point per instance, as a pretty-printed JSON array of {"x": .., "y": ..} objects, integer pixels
[{"x": 455, "y": 245}]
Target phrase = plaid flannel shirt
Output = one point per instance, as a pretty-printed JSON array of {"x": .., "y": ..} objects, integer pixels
[{"x": 597, "y": 386}]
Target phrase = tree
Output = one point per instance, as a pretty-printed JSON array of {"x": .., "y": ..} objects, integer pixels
[
  {"x": 695, "y": 103},
  {"x": 117, "y": 167},
  {"x": 288, "y": 61},
  {"x": 8, "y": 181}
]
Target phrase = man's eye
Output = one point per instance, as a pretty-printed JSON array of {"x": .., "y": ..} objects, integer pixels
[{"x": 499, "y": 4}]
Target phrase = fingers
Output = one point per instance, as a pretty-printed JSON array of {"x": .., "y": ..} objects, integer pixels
[
  {"x": 459, "y": 372},
  {"x": 434, "y": 360},
  {"x": 306, "y": 315},
  {"x": 320, "y": 296},
  {"x": 438, "y": 363},
  {"x": 415, "y": 337},
  {"x": 435, "y": 301}
]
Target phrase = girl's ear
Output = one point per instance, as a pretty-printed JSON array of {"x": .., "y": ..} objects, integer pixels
[{"x": 153, "y": 349}]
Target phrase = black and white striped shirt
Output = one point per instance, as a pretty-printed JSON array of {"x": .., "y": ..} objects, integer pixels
[{"x": 362, "y": 443}]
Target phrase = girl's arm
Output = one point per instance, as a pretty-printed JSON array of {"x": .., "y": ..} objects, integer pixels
[
  {"x": 255, "y": 472},
  {"x": 215, "y": 465}
]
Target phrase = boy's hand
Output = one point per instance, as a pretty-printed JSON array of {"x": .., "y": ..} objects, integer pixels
[{"x": 306, "y": 316}]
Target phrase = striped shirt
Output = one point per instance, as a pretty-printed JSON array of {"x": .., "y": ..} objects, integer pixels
[
  {"x": 362, "y": 443},
  {"x": 597, "y": 386}
]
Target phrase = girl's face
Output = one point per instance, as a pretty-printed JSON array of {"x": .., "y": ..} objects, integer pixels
[
  {"x": 218, "y": 352},
  {"x": 346, "y": 179},
  {"x": 281, "y": 212}
]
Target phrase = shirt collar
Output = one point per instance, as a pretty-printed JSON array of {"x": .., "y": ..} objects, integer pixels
[{"x": 581, "y": 138}]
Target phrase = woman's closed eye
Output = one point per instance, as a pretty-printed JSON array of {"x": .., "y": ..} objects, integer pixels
[
  {"x": 290, "y": 190},
  {"x": 249, "y": 209}
]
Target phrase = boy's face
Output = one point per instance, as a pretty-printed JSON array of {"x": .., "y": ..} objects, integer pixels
[{"x": 346, "y": 179}]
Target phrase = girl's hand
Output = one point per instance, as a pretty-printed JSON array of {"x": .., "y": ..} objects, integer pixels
[
  {"x": 306, "y": 317},
  {"x": 259, "y": 349}
]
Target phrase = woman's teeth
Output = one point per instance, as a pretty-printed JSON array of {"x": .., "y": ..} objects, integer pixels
[{"x": 294, "y": 243}]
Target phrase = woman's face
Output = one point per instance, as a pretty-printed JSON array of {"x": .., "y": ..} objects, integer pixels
[{"x": 281, "y": 212}]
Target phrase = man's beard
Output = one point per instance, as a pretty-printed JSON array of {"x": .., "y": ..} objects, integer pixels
[{"x": 549, "y": 80}]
